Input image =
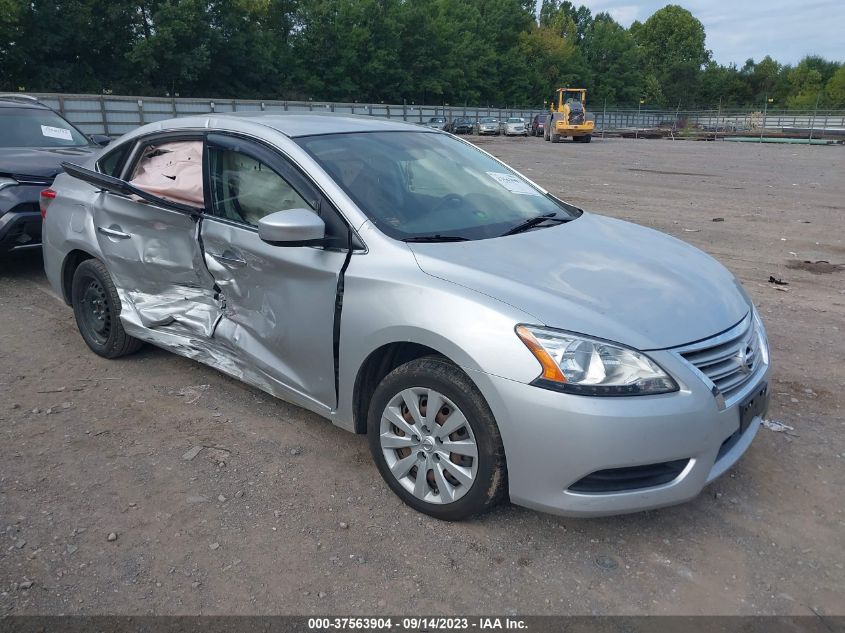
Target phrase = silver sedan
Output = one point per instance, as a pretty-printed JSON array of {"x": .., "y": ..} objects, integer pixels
[{"x": 490, "y": 339}]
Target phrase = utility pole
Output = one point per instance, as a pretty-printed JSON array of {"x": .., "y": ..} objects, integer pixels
[
  {"x": 604, "y": 118},
  {"x": 718, "y": 117},
  {"x": 815, "y": 111}
]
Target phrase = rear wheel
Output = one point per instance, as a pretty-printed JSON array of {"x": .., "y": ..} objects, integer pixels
[
  {"x": 435, "y": 441},
  {"x": 96, "y": 306},
  {"x": 587, "y": 138},
  {"x": 555, "y": 138}
]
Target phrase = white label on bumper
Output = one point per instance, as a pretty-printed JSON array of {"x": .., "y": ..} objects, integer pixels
[
  {"x": 56, "y": 132},
  {"x": 513, "y": 184}
]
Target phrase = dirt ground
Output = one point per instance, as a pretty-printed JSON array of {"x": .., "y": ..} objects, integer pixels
[{"x": 282, "y": 513}]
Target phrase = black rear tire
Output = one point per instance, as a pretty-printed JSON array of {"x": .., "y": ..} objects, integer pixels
[
  {"x": 96, "y": 306},
  {"x": 437, "y": 373}
]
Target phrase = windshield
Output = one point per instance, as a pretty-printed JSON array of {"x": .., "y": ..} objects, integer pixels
[
  {"x": 514, "y": 120},
  {"x": 34, "y": 127},
  {"x": 487, "y": 119},
  {"x": 417, "y": 184}
]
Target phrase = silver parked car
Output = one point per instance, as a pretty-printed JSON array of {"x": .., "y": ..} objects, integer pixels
[
  {"x": 489, "y": 338},
  {"x": 488, "y": 125},
  {"x": 437, "y": 123},
  {"x": 515, "y": 126}
]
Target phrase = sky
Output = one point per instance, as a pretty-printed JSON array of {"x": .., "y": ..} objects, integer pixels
[{"x": 786, "y": 30}]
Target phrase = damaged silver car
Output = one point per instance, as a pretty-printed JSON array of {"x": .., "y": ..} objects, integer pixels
[{"x": 489, "y": 338}]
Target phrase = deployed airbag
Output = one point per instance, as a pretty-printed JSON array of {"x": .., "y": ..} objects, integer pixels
[{"x": 172, "y": 171}]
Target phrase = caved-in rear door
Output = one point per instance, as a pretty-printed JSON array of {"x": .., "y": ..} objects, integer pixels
[{"x": 150, "y": 245}]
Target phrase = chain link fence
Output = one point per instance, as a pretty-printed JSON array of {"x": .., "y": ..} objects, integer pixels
[{"x": 116, "y": 115}]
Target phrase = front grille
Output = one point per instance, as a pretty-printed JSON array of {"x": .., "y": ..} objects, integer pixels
[
  {"x": 630, "y": 478},
  {"x": 728, "y": 360}
]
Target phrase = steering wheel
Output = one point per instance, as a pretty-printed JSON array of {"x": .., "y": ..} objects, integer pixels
[{"x": 448, "y": 199}]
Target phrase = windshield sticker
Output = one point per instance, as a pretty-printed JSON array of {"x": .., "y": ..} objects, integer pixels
[
  {"x": 513, "y": 183},
  {"x": 56, "y": 132}
]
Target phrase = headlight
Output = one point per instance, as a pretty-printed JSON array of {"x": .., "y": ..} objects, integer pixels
[
  {"x": 591, "y": 367},
  {"x": 7, "y": 182}
]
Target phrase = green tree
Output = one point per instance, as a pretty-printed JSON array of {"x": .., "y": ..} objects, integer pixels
[
  {"x": 556, "y": 62},
  {"x": 613, "y": 59},
  {"x": 11, "y": 41},
  {"x": 807, "y": 83},
  {"x": 835, "y": 89},
  {"x": 74, "y": 45},
  {"x": 175, "y": 51},
  {"x": 727, "y": 85},
  {"x": 565, "y": 18},
  {"x": 672, "y": 49}
]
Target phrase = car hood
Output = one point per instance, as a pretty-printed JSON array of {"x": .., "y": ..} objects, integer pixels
[
  {"x": 598, "y": 276},
  {"x": 43, "y": 162}
]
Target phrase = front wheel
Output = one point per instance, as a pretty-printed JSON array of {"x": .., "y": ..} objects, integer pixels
[
  {"x": 96, "y": 306},
  {"x": 435, "y": 441}
]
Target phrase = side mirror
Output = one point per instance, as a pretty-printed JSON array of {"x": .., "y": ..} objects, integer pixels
[
  {"x": 100, "y": 139},
  {"x": 293, "y": 227}
]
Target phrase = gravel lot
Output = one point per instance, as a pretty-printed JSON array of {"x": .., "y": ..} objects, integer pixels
[{"x": 282, "y": 513}]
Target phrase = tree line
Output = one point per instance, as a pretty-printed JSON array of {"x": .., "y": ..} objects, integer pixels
[{"x": 474, "y": 52}]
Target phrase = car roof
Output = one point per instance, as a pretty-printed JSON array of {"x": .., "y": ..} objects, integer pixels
[{"x": 295, "y": 125}]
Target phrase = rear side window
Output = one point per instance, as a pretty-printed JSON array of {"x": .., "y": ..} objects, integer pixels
[
  {"x": 36, "y": 127},
  {"x": 112, "y": 163},
  {"x": 171, "y": 170}
]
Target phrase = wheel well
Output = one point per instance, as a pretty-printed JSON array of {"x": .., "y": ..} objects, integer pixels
[
  {"x": 378, "y": 364},
  {"x": 71, "y": 263}
]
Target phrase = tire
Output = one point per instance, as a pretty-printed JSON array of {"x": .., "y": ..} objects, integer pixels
[
  {"x": 556, "y": 138},
  {"x": 587, "y": 138},
  {"x": 418, "y": 380},
  {"x": 96, "y": 307}
]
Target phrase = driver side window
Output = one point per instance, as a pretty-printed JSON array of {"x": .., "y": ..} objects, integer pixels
[{"x": 244, "y": 189}]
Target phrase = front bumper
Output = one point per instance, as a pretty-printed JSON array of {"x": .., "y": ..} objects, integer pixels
[
  {"x": 20, "y": 218},
  {"x": 554, "y": 441}
]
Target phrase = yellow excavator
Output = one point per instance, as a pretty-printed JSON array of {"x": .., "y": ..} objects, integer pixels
[{"x": 568, "y": 117}]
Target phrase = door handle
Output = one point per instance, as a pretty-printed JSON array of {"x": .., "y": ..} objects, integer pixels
[
  {"x": 227, "y": 258},
  {"x": 120, "y": 235}
]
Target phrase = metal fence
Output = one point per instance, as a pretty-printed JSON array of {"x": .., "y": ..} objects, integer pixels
[{"x": 116, "y": 115}]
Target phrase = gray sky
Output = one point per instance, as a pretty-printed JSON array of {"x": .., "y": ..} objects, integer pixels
[{"x": 786, "y": 30}]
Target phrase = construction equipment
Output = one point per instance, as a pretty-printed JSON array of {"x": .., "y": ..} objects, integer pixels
[{"x": 568, "y": 117}]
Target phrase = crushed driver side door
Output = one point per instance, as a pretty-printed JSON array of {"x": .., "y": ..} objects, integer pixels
[{"x": 279, "y": 302}]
